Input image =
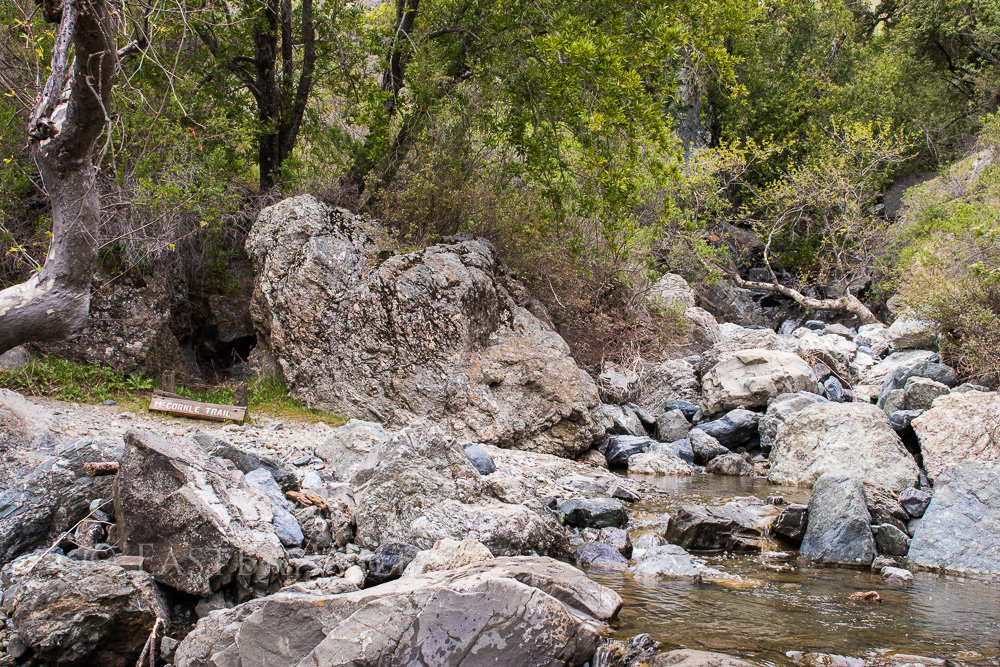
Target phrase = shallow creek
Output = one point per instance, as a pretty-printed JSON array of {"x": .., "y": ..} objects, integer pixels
[{"x": 796, "y": 608}]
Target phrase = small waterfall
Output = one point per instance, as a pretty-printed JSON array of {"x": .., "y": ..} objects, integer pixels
[{"x": 616, "y": 653}]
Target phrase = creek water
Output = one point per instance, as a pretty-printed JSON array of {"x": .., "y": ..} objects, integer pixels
[{"x": 800, "y": 608}]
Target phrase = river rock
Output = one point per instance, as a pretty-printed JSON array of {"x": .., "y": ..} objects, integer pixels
[
  {"x": 779, "y": 410},
  {"x": 594, "y": 513},
  {"x": 624, "y": 421},
  {"x": 733, "y": 465},
  {"x": 621, "y": 448},
  {"x": 599, "y": 555},
  {"x": 890, "y": 540},
  {"x": 347, "y": 446},
  {"x": 739, "y": 339},
  {"x": 420, "y": 488},
  {"x": 919, "y": 393},
  {"x": 792, "y": 522},
  {"x": 436, "y": 333},
  {"x": 960, "y": 426},
  {"x": 15, "y": 359},
  {"x": 666, "y": 381},
  {"x": 751, "y": 378},
  {"x": 669, "y": 561},
  {"x": 663, "y": 459},
  {"x": 28, "y": 434},
  {"x": 71, "y": 612},
  {"x": 517, "y": 611},
  {"x": 390, "y": 560},
  {"x": 836, "y": 352},
  {"x": 897, "y": 576},
  {"x": 480, "y": 459},
  {"x": 878, "y": 373},
  {"x": 851, "y": 438},
  {"x": 692, "y": 658},
  {"x": 914, "y": 501},
  {"x": 960, "y": 531},
  {"x": 734, "y": 429},
  {"x": 447, "y": 554},
  {"x": 727, "y": 527},
  {"x": 908, "y": 334},
  {"x": 198, "y": 524},
  {"x": 671, "y": 426},
  {"x": 839, "y": 528},
  {"x": 285, "y": 525},
  {"x": 55, "y": 495},
  {"x": 688, "y": 409},
  {"x": 705, "y": 447}
]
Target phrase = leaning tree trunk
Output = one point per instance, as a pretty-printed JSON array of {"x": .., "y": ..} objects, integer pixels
[{"x": 64, "y": 128}]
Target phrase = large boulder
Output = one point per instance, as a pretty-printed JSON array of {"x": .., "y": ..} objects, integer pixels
[
  {"x": 910, "y": 334},
  {"x": 667, "y": 381},
  {"x": 838, "y": 531},
  {"x": 751, "y": 378},
  {"x": 960, "y": 531},
  {"x": 729, "y": 527},
  {"x": 55, "y": 495},
  {"x": 779, "y": 411},
  {"x": 506, "y": 611},
  {"x": 738, "y": 339},
  {"x": 197, "y": 523},
  {"x": 28, "y": 434},
  {"x": 71, "y": 612},
  {"x": 851, "y": 438},
  {"x": 435, "y": 333},
  {"x": 420, "y": 488},
  {"x": 960, "y": 426}
]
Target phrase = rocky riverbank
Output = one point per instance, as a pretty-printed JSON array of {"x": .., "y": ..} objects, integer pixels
[{"x": 441, "y": 524}]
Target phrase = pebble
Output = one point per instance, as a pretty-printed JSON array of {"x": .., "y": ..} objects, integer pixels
[{"x": 110, "y": 402}]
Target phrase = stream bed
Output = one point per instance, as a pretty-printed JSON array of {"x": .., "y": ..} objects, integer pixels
[{"x": 796, "y": 608}]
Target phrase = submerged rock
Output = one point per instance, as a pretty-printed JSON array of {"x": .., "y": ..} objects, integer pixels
[
  {"x": 839, "y": 527},
  {"x": 727, "y": 527},
  {"x": 692, "y": 658},
  {"x": 599, "y": 555},
  {"x": 594, "y": 513},
  {"x": 435, "y": 333},
  {"x": 514, "y": 611}
]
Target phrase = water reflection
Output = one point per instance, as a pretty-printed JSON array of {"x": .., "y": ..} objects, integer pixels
[{"x": 804, "y": 608}]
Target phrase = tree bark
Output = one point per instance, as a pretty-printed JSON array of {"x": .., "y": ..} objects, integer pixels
[
  {"x": 64, "y": 128},
  {"x": 845, "y": 304}
]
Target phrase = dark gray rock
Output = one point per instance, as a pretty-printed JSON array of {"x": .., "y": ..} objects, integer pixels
[
  {"x": 791, "y": 523},
  {"x": 247, "y": 462},
  {"x": 389, "y": 561},
  {"x": 601, "y": 555},
  {"x": 834, "y": 390},
  {"x": 480, "y": 459},
  {"x": 623, "y": 447},
  {"x": 54, "y": 496},
  {"x": 688, "y": 409},
  {"x": 594, "y": 513},
  {"x": 285, "y": 525},
  {"x": 960, "y": 531},
  {"x": 734, "y": 429},
  {"x": 890, "y": 540},
  {"x": 73, "y": 612},
  {"x": 624, "y": 421},
  {"x": 839, "y": 527},
  {"x": 902, "y": 420},
  {"x": 915, "y": 502},
  {"x": 617, "y": 538},
  {"x": 648, "y": 420},
  {"x": 815, "y": 325},
  {"x": 672, "y": 426},
  {"x": 923, "y": 369},
  {"x": 683, "y": 450},
  {"x": 704, "y": 447},
  {"x": 710, "y": 528}
]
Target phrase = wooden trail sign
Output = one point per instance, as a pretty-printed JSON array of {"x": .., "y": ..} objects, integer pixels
[{"x": 184, "y": 407}]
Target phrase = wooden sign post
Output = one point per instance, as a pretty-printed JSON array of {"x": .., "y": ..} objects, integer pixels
[{"x": 185, "y": 407}]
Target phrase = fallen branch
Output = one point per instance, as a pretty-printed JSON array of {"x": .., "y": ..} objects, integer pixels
[
  {"x": 306, "y": 498},
  {"x": 847, "y": 303},
  {"x": 149, "y": 650}
]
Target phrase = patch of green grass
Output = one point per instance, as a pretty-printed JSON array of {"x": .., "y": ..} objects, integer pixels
[{"x": 92, "y": 383}]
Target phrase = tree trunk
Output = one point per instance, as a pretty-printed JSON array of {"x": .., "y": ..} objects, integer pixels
[
  {"x": 845, "y": 304},
  {"x": 64, "y": 128}
]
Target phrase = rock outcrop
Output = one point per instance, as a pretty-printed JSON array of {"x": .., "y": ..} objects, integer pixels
[
  {"x": 512, "y": 611},
  {"x": 28, "y": 434},
  {"x": 420, "y": 488},
  {"x": 851, "y": 438},
  {"x": 960, "y": 531},
  {"x": 433, "y": 333},
  {"x": 197, "y": 523},
  {"x": 960, "y": 426}
]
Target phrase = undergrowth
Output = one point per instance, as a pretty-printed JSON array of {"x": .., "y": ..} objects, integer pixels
[{"x": 65, "y": 380}]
